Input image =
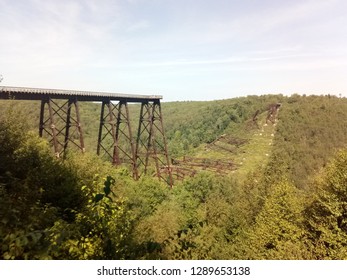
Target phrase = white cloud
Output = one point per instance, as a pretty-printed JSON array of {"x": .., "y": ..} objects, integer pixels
[
  {"x": 276, "y": 21},
  {"x": 55, "y": 33}
]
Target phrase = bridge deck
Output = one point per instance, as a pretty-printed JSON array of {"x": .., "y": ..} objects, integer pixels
[{"x": 23, "y": 93}]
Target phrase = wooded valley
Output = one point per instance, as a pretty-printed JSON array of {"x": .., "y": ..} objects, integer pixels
[{"x": 255, "y": 187}]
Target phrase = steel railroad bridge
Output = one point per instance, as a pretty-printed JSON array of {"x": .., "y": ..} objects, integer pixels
[{"x": 60, "y": 121}]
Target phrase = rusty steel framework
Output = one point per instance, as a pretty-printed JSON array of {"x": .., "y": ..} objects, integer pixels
[
  {"x": 116, "y": 142},
  {"x": 190, "y": 166},
  {"x": 60, "y": 120},
  {"x": 151, "y": 142},
  {"x": 114, "y": 126},
  {"x": 61, "y": 124}
]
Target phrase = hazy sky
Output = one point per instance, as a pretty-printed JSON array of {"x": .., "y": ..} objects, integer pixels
[{"x": 181, "y": 49}]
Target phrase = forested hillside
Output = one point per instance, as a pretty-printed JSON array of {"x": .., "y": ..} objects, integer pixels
[
  {"x": 310, "y": 130},
  {"x": 264, "y": 187}
]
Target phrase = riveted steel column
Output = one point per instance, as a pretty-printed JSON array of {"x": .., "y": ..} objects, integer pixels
[
  {"x": 42, "y": 116},
  {"x": 67, "y": 125},
  {"x": 102, "y": 120},
  {"x": 79, "y": 126},
  {"x": 53, "y": 128},
  {"x": 133, "y": 152}
]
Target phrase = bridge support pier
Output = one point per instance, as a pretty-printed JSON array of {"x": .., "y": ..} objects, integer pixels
[
  {"x": 115, "y": 139},
  {"x": 62, "y": 124},
  {"x": 151, "y": 142}
]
